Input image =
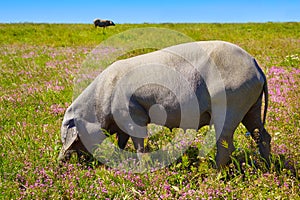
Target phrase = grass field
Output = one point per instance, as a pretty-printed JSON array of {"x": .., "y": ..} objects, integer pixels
[{"x": 38, "y": 63}]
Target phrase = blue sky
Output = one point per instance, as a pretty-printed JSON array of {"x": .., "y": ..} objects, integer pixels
[{"x": 154, "y": 11}]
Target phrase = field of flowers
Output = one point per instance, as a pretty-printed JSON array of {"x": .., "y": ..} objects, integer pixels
[{"x": 38, "y": 63}]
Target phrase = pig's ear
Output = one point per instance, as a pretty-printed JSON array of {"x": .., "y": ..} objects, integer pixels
[
  {"x": 69, "y": 134},
  {"x": 90, "y": 134}
]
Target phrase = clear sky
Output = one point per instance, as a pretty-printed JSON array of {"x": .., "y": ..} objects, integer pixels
[{"x": 154, "y": 11}]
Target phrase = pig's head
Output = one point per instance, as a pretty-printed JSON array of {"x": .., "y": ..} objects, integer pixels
[{"x": 71, "y": 142}]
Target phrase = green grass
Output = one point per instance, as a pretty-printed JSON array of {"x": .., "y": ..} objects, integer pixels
[{"x": 38, "y": 63}]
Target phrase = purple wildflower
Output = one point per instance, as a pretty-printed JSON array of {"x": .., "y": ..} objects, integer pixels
[{"x": 57, "y": 109}]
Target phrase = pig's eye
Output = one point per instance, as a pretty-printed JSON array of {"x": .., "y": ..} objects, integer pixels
[{"x": 71, "y": 123}]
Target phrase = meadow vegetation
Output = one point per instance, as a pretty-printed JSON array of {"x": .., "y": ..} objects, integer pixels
[{"x": 38, "y": 63}]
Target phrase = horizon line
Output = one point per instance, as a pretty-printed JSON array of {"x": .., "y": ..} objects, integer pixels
[{"x": 225, "y": 22}]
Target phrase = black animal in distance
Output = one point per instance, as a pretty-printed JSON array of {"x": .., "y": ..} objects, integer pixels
[{"x": 103, "y": 23}]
